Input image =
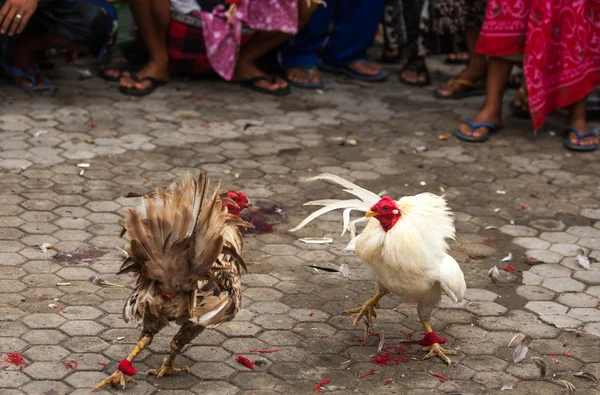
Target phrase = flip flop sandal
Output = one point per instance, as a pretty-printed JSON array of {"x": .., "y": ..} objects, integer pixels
[
  {"x": 492, "y": 128},
  {"x": 419, "y": 67},
  {"x": 154, "y": 84},
  {"x": 251, "y": 84},
  {"x": 16, "y": 72},
  {"x": 379, "y": 77},
  {"x": 466, "y": 89},
  {"x": 119, "y": 65},
  {"x": 116, "y": 61},
  {"x": 306, "y": 85},
  {"x": 577, "y": 147},
  {"x": 391, "y": 59}
]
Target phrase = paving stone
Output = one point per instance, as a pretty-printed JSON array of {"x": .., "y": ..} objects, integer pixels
[
  {"x": 215, "y": 387},
  {"x": 38, "y": 321},
  {"x": 577, "y": 299},
  {"x": 533, "y": 292},
  {"x": 561, "y": 320},
  {"x": 44, "y": 387},
  {"x": 593, "y": 329},
  {"x": 551, "y": 270},
  {"x": 518, "y": 230},
  {"x": 563, "y": 285},
  {"x": 531, "y": 243},
  {"x": 47, "y": 370},
  {"x": 13, "y": 379},
  {"x": 544, "y": 307},
  {"x": 486, "y": 308},
  {"x": 558, "y": 237},
  {"x": 566, "y": 249},
  {"x": 585, "y": 314},
  {"x": 46, "y": 353},
  {"x": 543, "y": 256},
  {"x": 584, "y": 232},
  {"x": 591, "y": 277},
  {"x": 82, "y": 328},
  {"x": 44, "y": 336},
  {"x": 475, "y": 294}
]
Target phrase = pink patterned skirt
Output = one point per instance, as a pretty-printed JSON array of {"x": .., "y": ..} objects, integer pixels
[{"x": 222, "y": 38}]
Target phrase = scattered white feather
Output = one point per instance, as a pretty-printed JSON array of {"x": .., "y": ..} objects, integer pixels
[
  {"x": 381, "y": 343},
  {"x": 583, "y": 260},
  {"x": 344, "y": 270},
  {"x": 507, "y": 258},
  {"x": 520, "y": 353},
  {"x": 494, "y": 274}
]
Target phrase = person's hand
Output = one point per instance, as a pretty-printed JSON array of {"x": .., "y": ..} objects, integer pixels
[{"x": 15, "y": 14}]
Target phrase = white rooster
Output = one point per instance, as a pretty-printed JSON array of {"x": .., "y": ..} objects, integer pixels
[{"x": 404, "y": 242}]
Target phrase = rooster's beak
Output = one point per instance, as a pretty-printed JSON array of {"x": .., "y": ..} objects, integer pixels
[{"x": 370, "y": 214}]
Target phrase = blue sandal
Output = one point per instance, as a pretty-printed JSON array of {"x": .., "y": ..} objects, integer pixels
[
  {"x": 306, "y": 85},
  {"x": 474, "y": 126},
  {"x": 379, "y": 77},
  {"x": 577, "y": 147},
  {"x": 16, "y": 72}
]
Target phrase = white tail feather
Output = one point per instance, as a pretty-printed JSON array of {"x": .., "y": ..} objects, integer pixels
[
  {"x": 363, "y": 194},
  {"x": 367, "y": 199},
  {"x": 353, "y": 203}
]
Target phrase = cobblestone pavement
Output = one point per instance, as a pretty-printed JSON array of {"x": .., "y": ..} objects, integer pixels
[{"x": 542, "y": 204}]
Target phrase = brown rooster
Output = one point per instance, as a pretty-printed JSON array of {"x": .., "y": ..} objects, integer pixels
[{"x": 185, "y": 250}]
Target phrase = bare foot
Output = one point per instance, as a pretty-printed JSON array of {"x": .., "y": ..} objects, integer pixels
[
  {"x": 365, "y": 67},
  {"x": 25, "y": 61},
  {"x": 582, "y": 127},
  {"x": 481, "y": 117},
  {"x": 477, "y": 81},
  {"x": 245, "y": 70},
  {"x": 413, "y": 73},
  {"x": 113, "y": 69},
  {"x": 303, "y": 76},
  {"x": 158, "y": 70}
]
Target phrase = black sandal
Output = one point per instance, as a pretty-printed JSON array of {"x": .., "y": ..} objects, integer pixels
[
  {"x": 154, "y": 84},
  {"x": 251, "y": 84},
  {"x": 390, "y": 59},
  {"x": 116, "y": 60},
  {"x": 417, "y": 65}
]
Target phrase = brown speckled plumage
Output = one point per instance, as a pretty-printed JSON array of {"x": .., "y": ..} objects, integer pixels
[{"x": 184, "y": 248}]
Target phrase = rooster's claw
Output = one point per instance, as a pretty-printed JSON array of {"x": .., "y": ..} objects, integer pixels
[
  {"x": 117, "y": 378},
  {"x": 436, "y": 350},
  {"x": 168, "y": 371},
  {"x": 367, "y": 310}
]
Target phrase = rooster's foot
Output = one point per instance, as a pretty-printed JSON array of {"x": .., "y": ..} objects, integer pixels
[
  {"x": 436, "y": 350},
  {"x": 167, "y": 371},
  {"x": 367, "y": 310},
  {"x": 117, "y": 378}
]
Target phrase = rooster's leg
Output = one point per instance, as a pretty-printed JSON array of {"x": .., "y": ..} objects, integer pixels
[
  {"x": 186, "y": 334},
  {"x": 367, "y": 310},
  {"x": 118, "y": 377},
  {"x": 435, "y": 349}
]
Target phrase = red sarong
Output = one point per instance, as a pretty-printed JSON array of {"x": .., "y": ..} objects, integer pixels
[{"x": 561, "y": 43}]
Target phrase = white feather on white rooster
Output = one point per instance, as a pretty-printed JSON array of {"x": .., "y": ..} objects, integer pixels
[{"x": 404, "y": 242}]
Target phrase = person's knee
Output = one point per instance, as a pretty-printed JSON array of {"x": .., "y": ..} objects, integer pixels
[
  {"x": 93, "y": 25},
  {"x": 95, "y": 17}
]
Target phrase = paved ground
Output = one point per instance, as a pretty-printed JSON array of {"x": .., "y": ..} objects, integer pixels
[{"x": 542, "y": 202}]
